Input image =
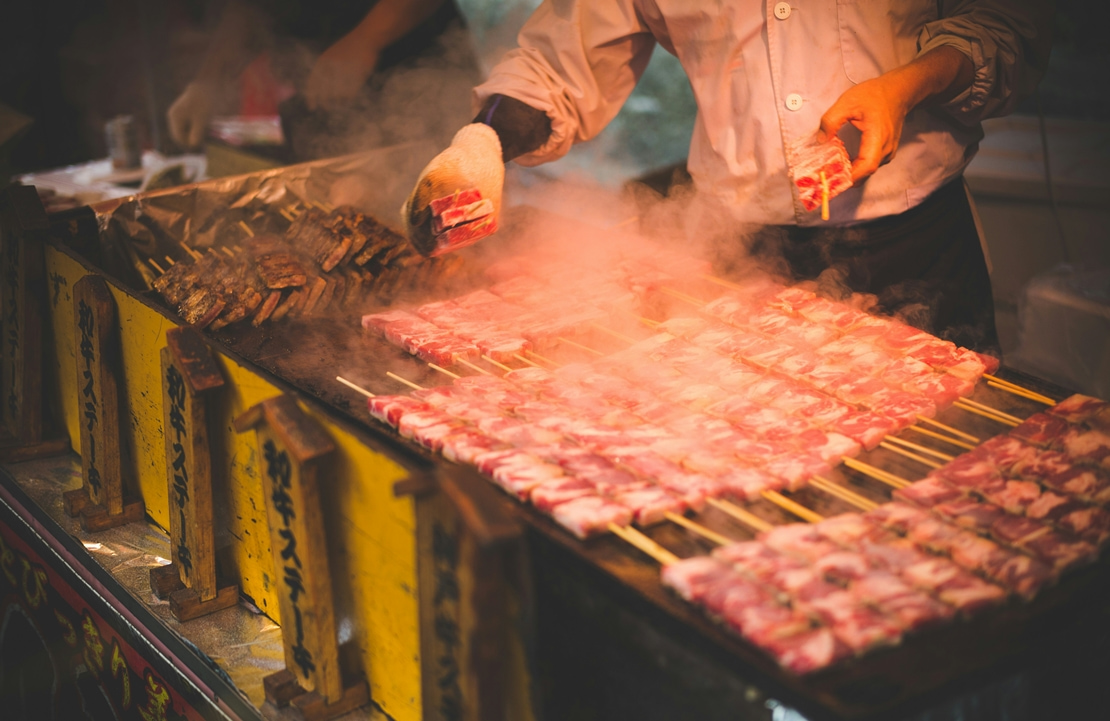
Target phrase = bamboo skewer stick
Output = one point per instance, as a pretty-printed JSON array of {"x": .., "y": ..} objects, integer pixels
[
  {"x": 227, "y": 251},
  {"x": 649, "y": 322},
  {"x": 399, "y": 379},
  {"x": 544, "y": 359},
  {"x": 502, "y": 366},
  {"x": 684, "y": 297},
  {"x": 746, "y": 517},
  {"x": 910, "y": 454},
  {"x": 522, "y": 359},
  {"x": 722, "y": 282},
  {"x": 792, "y": 506},
  {"x": 470, "y": 365},
  {"x": 645, "y": 544},
  {"x": 246, "y": 228},
  {"x": 190, "y": 251},
  {"x": 950, "y": 429},
  {"x": 287, "y": 214},
  {"x": 1003, "y": 382},
  {"x": 352, "y": 386},
  {"x": 990, "y": 416},
  {"x": 697, "y": 528},
  {"x": 170, "y": 260},
  {"x": 988, "y": 409},
  {"x": 877, "y": 473},
  {"x": 824, "y": 196},
  {"x": 156, "y": 266},
  {"x": 1023, "y": 394},
  {"x": 615, "y": 334},
  {"x": 843, "y": 493},
  {"x": 919, "y": 448},
  {"x": 443, "y": 370},
  {"x": 579, "y": 345},
  {"x": 941, "y": 437}
]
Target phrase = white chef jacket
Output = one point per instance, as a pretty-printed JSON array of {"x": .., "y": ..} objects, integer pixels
[{"x": 763, "y": 73}]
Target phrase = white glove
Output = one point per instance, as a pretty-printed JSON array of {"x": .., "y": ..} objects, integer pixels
[
  {"x": 457, "y": 199},
  {"x": 189, "y": 115}
]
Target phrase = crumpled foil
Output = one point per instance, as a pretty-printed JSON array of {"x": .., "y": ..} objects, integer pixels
[{"x": 152, "y": 226}]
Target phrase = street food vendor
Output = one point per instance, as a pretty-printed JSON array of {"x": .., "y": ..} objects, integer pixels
[{"x": 904, "y": 85}]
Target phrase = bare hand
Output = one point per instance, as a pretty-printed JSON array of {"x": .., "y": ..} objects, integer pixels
[
  {"x": 878, "y": 109},
  {"x": 340, "y": 72},
  {"x": 188, "y": 117}
]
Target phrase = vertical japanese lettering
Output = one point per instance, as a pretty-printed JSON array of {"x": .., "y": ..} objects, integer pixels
[
  {"x": 175, "y": 391},
  {"x": 280, "y": 472},
  {"x": 91, "y": 407},
  {"x": 445, "y": 555}
]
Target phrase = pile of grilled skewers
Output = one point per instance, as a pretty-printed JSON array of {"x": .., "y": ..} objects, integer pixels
[{"x": 324, "y": 260}]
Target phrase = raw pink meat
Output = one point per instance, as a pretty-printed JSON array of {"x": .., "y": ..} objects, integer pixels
[{"x": 590, "y": 515}]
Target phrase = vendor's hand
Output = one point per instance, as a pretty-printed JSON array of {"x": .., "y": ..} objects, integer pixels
[
  {"x": 189, "y": 115},
  {"x": 340, "y": 72},
  {"x": 878, "y": 109},
  {"x": 457, "y": 199}
]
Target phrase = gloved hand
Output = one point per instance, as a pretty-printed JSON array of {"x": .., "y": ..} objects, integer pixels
[
  {"x": 189, "y": 115},
  {"x": 457, "y": 198}
]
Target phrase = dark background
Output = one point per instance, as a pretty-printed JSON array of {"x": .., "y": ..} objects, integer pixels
[{"x": 71, "y": 65}]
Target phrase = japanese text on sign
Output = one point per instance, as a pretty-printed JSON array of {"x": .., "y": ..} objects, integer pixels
[
  {"x": 175, "y": 390},
  {"x": 445, "y": 554},
  {"x": 280, "y": 473},
  {"x": 90, "y": 408}
]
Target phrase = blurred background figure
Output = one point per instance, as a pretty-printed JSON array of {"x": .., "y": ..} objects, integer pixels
[{"x": 344, "y": 75}]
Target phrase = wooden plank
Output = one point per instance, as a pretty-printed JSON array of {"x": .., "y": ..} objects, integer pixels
[
  {"x": 466, "y": 622},
  {"x": 23, "y": 430},
  {"x": 292, "y": 447},
  {"x": 98, "y": 370},
  {"x": 189, "y": 374},
  {"x": 443, "y": 640}
]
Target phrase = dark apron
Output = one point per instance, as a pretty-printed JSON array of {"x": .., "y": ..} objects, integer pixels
[{"x": 925, "y": 265}]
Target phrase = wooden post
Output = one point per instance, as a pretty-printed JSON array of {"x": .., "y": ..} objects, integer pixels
[
  {"x": 23, "y": 432},
  {"x": 466, "y": 542},
  {"x": 292, "y": 446},
  {"x": 189, "y": 375},
  {"x": 100, "y": 501}
]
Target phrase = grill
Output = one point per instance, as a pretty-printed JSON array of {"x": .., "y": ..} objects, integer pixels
[{"x": 220, "y": 254}]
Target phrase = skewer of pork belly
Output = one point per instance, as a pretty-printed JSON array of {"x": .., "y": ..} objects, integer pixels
[
  {"x": 864, "y": 338},
  {"x": 521, "y": 472},
  {"x": 184, "y": 278},
  {"x": 382, "y": 245},
  {"x": 754, "y": 613},
  {"x": 1010, "y": 567},
  {"x": 874, "y": 554},
  {"x": 276, "y": 261},
  {"x": 655, "y": 509},
  {"x": 614, "y": 394},
  {"x": 1022, "y": 481},
  {"x": 242, "y": 286},
  {"x": 953, "y": 579}
]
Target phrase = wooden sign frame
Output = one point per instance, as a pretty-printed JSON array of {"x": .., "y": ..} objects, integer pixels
[
  {"x": 292, "y": 447},
  {"x": 24, "y": 431},
  {"x": 101, "y": 501},
  {"x": 469, "y": 550},
  {"x": 189, "y": 378}
]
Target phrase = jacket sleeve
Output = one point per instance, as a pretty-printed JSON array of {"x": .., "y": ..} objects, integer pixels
[
  {"x": 577, "y": 61},
  {"x": 1008, "y": 42}
]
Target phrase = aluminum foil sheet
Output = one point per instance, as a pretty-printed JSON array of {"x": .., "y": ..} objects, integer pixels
[
  {"x": 153, "y": 225},
  {"x": 241, "y": 641}
]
